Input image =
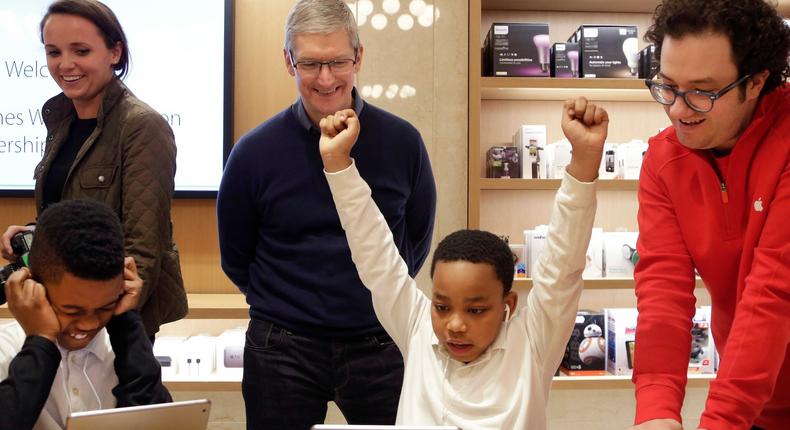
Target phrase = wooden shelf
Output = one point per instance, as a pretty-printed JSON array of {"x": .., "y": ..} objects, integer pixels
[
  {"x": 201, "y": 306},
  {"x": 560, "y": 89},
  {"x": 552, "y": 184},
  {"x": 634, "y": 6},
  {"x": 596, "y": 284}
]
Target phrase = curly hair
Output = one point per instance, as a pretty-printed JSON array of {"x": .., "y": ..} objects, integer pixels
[
  {"x": 477, "y": 246},
  {"x": 81, "y": 237},
  {"x": 759, "y": 37}
]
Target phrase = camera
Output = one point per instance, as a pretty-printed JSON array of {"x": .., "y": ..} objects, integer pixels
[{"x": 20, "y": 244}]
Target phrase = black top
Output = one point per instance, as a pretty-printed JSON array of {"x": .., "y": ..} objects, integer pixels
[{"x": 80, "y": 130}]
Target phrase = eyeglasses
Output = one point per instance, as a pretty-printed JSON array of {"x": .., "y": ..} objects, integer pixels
[
  {"x": 339, "y": 66},
  {"x": 700, "y": 101}
]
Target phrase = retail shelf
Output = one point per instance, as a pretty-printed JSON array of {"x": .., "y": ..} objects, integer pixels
[
  {"x": 596, "y": 284},
  {"x": 553, "y": 184},
  {"x": 206, "y": 384},
  {"x": 634, "y": 6},
  {"x": 201, "y": 306},
  {"x": 598, "y": 89}
]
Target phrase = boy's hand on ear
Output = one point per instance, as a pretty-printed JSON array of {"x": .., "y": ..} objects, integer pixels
[
  {"x": 27, "y": 301},
  {"x": 586, "y": 127},
  {"x": 132, "y": 287},
  {"x": 339, "y": 133}
]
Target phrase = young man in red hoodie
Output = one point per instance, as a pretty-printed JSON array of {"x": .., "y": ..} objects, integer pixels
[{"x": 714, "y": 195}]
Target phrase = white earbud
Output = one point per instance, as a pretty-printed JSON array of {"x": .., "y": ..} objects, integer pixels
[{"x": 507, "y": 312}]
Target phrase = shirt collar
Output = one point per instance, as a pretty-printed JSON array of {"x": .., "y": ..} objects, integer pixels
[
  {"x": 301, "y": 114},
  {"x": 99, "y": 346},
  {"x": 500, "y": 343}
]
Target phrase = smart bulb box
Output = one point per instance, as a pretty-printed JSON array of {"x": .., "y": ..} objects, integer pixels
[
  {"x": 517, "y": 49},
  {"x": 585, "y": 353},
  {"x": 620, "y": 340},
  {"x": 620, "y": 254},
  {"x": 607, "y": 51},
  {"x": 531, "y": 142},
  {"x": 565, "y": 60},
  {"x": 702, "y": 358},
  {"x": 648, "y": 63}
]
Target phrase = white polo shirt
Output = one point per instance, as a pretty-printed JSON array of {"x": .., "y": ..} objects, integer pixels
[
  {"x": 507, "y": 387},
  {"x": 84, "y": 380}
]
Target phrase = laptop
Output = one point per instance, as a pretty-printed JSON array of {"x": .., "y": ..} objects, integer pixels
[
  {"x": 375, "y": 427},
  {"x": 188, "y": 415}
]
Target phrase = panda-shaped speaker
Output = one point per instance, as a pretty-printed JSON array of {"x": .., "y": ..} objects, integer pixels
[{"x": 592, "y": 350}]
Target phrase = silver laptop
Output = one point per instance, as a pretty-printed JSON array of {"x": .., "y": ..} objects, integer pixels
[
  {"x": 373, "y": 427},
  {"x": 188, "y": 415}
]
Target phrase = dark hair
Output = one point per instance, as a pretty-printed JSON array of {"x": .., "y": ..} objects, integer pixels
[
  {"x": 103, "y": 18},
  {"x": 759, "y": 38},
  {"x": 81, "y": 237},
  {"x": 477, "y": 246}
]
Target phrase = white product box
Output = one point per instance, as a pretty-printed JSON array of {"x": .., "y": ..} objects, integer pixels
[
  {"x": 230, "y": 353},
  {"x": 559, "y": 156},
  {"x": 534, "y": 241},
  {"x": 608, "y": 161},
  {"x": 594, "y": 265},
  {"x": 703, "y": 352},
  {"x": 620, "y": 338},
  {"x": 197, "y": 359},
  {"x": 531, "y": 141},
  {"x": 629, "y": 159},
  {"x": 520, "y": 265},
  {"x": 167, "y": 350},
  {"x": 620, "y": 249}
]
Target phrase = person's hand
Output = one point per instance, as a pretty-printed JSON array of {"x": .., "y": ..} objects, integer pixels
[
  {"x": 27, "y": 301},
  {"x": 6, "y": 250},
  {"x": 660, "y": 424},
  {"x": 339, "y": 133},
  {"x": 132, "y": 287},
  {"x": 586, "y": 126}
]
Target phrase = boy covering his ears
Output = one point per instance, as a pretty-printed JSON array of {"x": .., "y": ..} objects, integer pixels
[{"x": 471, "y": 359}]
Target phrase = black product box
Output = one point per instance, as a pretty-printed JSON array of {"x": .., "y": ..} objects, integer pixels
[
  {"x": 648, "y": 63},
  {"x": 565, "y": 60},
  {"x": 585, "y": 353},
  {"x": 517, "y": 49},
  {"x": 503, "y": 162},
  {"x": 607, "y": 51}
]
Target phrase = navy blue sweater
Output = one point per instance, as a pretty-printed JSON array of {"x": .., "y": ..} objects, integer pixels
[{"x": 280, "y": 237}]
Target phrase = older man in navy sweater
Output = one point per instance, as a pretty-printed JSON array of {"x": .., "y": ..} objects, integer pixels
[{"x": 313, "y": 336}]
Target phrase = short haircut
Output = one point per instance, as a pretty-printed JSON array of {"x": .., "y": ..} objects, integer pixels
[
  {"x": 477, "y": 246},
  {"x": 103, "y": 18},
  {"x": 81, "y": 237},
  {"x": 320, "y": 17},
  {"x": 759, "y": 38}
]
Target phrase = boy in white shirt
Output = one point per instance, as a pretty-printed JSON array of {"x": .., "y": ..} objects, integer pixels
[
  {"x": 77, "y": 260},
  {"x": 472, "y": 360}
]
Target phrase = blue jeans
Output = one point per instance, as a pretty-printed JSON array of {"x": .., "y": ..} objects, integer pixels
[{"x": 289, "y": 378}]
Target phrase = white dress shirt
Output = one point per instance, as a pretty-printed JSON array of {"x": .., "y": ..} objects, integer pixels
[
  {"x": 84, "y": 380},
  {"x": 507, "y": 387}
]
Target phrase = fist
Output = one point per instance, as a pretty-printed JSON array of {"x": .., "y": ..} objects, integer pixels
[
  {"x": 586, "y": 127},
  {"x": 27, "y": 301},
  {"x": 132, "y": 287},
  {"x": 339, "y": 133}
]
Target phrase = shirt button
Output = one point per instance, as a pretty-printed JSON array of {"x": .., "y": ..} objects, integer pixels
[
  {"x": 101, "y": 179},
  {"x": 75, "y": 391}
]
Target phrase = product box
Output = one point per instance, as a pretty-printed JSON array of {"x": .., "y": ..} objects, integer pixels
[
  {"x": 520, "y": 261},
  {"x": 517, "y": 49},
  {"x": 702, "y": 358},
  {"x": 534, "y": 240},
  {"x": 629, "y": 159},
  {"x": 503, "y": 162},
  {"x": 648, "y": 63},
  {"x": 531, "y": 141},
  {"x": 607, "y": 51},
  {"x": 230, "y": 353},
  {"x": 558, "y": 155},
  {"x": 565, "y": 60},
  {"x": 585, "y": 353},
  {"x": 620, "y": 254},
  {"x": 167, "y": 350},
  {"x": 594, "y": 265},
  {"x": 620, "y": 340},
  {"x": 197, "y": 357},
  {"x": 608, "y": 167}
]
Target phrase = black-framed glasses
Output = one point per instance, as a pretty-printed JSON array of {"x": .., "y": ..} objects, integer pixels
[
  {"x": 697, "y": 100},
  {"x": 338, "y": 66}
]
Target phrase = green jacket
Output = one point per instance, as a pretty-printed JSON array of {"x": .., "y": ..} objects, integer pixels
[{"x": 129, "y": 163}]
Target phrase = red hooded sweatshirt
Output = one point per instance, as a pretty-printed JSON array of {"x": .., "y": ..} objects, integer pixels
[{"x": 730, "y": 219}]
